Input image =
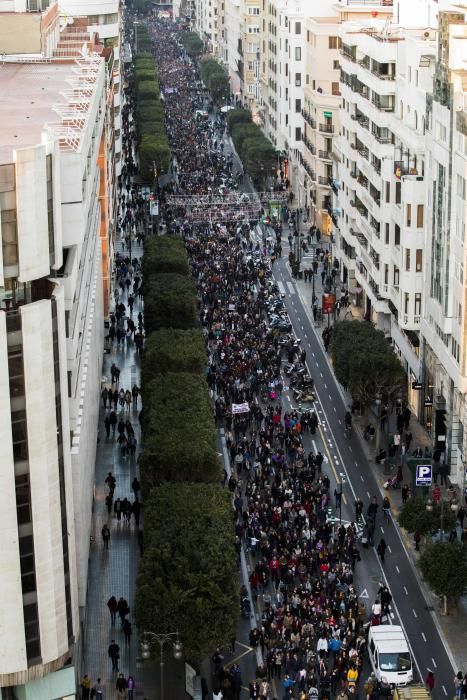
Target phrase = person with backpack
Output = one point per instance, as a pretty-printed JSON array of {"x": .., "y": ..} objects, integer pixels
[
  {"x": 106, "y": 536},
  {"x": 97, "y": 690}
]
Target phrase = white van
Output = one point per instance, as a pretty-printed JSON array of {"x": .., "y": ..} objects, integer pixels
[{"x": 390, "y": 654}]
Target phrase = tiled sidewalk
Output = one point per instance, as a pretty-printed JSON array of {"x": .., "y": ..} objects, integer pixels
[{"x": 113, "y": 572}]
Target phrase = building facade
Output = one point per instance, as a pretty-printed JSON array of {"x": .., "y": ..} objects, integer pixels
[
  {"x": 56, "y": 151},
  {"x": 443, "y": 328}
]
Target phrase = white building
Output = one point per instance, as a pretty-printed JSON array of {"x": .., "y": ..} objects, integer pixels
[
  {"x": 52, "y": 164},
  {"x": 321, "y": 112},
  {"x": 443, "y": 329},
  {"x": 386, "y": 74}
]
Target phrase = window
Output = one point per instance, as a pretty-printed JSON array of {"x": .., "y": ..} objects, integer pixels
[
  {"x": 253, "y": 10},
  {"x": 386, "y": 234},
  {"x": 407, "y": 260},
  {"x": 298, "y": 105},
  {"x": 298, "y": 53},
  {"x": 396, "y": 276},
  {"x": 419, "y": 215},
  {"x": 418, "y": 304},
  {"x": 26, "y": 553},
  {"x": 333, "y": 42},
  {"x": 20, "y": 435},
  {"x": 418, "y": 260},
  {"x": 9, "y": 237},
  {"x": 253, "y": 29},
  {"x": 388, "y": 191},
  {"x": 298, "y": 27},
  {"x": 461, "y": 187},
  {"x": 386, "y": 274},
  {"x": 23, "y": 499},
  {"x": 397, "y": 234},
  {"x": 31, "y": 630},
  {"x": 298, "y": 134},
  {"x": 336, "y": 65},
  {"x": 298, "y": 79},
  {"x": 398, "y": 192},
  {"x": 335, "y": 89},
  {"x": 408, "y": 217},
  {"x": 406, "y": 302}
]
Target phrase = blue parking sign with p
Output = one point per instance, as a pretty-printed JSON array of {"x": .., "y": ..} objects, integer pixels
[{"x": 423, "y": 475}]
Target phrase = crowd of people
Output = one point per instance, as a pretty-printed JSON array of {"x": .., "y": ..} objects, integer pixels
[{"x": 311, "y": 627}]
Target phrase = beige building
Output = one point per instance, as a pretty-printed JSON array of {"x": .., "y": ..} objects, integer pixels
[{"x": 321, "y": 115}]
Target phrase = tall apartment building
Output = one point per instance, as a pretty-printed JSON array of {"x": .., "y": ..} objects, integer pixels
[
  {"x": 103, "y": 19},
  {"x": 443, "y": 328},
  {"x": 239, "y": 48},
  {"x": 205, "y": 17},
  {"x": 386, "y": 73},
  {"x": 54, "y": 170},
  {"x": 320, "y": 112}
]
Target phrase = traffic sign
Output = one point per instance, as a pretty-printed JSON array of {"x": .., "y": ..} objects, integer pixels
[{"x": 423, "y": 475}]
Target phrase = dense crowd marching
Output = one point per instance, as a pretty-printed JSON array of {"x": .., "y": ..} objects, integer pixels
[{"x": 312, "y": 627}]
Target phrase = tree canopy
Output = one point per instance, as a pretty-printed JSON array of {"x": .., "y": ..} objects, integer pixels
[
  {"x": 179, "y": 432},
  {"x": 169, "y": 302},
  {"x": 365, "y": 364},
  {"x": 444, "y": 568},
  {"x": 215, "y": 78},
  {"x": 192, "y": 43},
  {"x": 187, "y": 578},
  {"x": 165, "y": 254},
  {"x": 173, "y": 350},
  {"x": 415, "y": 517}
]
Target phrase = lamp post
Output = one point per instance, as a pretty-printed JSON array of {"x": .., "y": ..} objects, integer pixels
[
  {"x": 378, "y": 421},
  {"x": 429, "y": 507},
  {"x": 162, "y": 639}
]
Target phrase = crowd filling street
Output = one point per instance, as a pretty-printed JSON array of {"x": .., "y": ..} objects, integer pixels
[
  {"x": 311, "y": 629},
  {"x": 311, "y": 626}
]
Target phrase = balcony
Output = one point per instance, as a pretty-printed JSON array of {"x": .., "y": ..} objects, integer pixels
[
  {"x": 385, "y": 103},
  {"x": 326, "y": 128},
  {"x": 375, "y": 225},
  {"x": 362, "y": 180},
  {"x": 384, "y": 71},
  {"x": 325, "y": 155},
  {"x": 366, "y": 3},
  {"x": 309, "y": 170},
  {"x": 360, "y": 238},
  {"x": 323, "y": 180},
  {"x": 375, "y": 258},
  {"x": 349, "y": 52},
  {"x": 308, "y": 118},
  {"x": 383, "y": 135}
]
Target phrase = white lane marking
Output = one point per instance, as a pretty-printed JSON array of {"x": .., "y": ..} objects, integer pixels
[
  {"x": 350, "y": 449},
  {"x": 281, "y": 287},
  {"x": 414, "y": 613},
  {"x": 406, "y": 591},
  {"x": 335, "y": 409},
  {"x": 356, "y": 464},
  {"x": 331, "y": 399},
  {"x": 313, "y": 354},
  {"x": 444, "y": 690},
  {"x": 423, "y": 636},
  {"x": 340, "y": 422},
  {"x": 397, "y": 569},
  {"x": 291, "y": 289},
  {"x": 320, "y": 374},
  {"x": 314, "y": 446},
  {"x": 361, "y": 477},
  {"x": 434, "y": 663},
  {"x": 382, "y": 529},
  {"x": 368, "y": 494},
  {"x": 326, "y": 386},
  {"x": 389, "y": 550}
]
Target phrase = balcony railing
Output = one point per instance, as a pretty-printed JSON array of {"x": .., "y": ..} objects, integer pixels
[
  {"x": 382, "y": 105},
  {"x": 367, "y": 3},
  {"x": 326, "y": 155},
  {"x": 308, "y": 118},
  {"x": 383, "y": 76},
  {"x": 349, "y": 52},
  {"x": 323, "y": 181},
  {"x": 311, "y": 146},
  {"x": 326, "y": 128}
]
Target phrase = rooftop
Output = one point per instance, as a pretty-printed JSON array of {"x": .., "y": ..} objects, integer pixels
[{"x": 35, "y": 95}]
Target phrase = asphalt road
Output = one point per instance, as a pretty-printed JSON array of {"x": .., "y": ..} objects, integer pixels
[{"x": 346, "y": 455}]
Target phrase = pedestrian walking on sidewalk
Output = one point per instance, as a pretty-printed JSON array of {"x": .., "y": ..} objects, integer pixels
[
  {"x": 106, "y": 536},
  {"x": 86, "y": 687},
  {"x": 123, "y": 609},
  {"x": 131, "y": 685},
  {"x": 114, "y": 654},
  {"x": 107, "y": 426},
  {"x": 127, "y": 631},
  {"x": 111, "y": 482},
  {"x": 113, "y": 606},
  {"x": 98, "y": 690},
  {"x": 136, "y": 488},
  {"x": 382, "y": 549}
]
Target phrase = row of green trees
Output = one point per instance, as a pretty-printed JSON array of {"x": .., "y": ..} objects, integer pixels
[
  {"x": 443, "y": 564},
  {"x": 215, "y": 78},
  {"x": 193, "y": 44},
  {"x": 366, "y": 365},
  {"x": 153, "y": 144},
  {"x": 255, "y": 151},
  {"x": 187, "y": 576}
]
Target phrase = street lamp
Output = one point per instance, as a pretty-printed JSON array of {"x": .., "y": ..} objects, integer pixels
[
  {"x": 429, "y": 507},
  {"x": 378, "y": 421},
  {"x": 162, "y": 639}
]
